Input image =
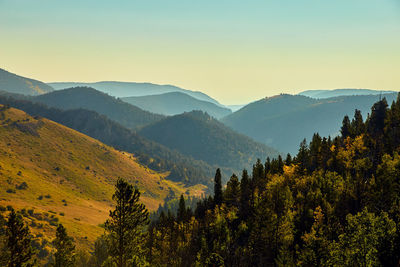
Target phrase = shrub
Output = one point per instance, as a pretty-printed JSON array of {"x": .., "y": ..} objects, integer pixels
[
  {"x": 40, "y": 197},
  {"x": 22, "y": 186},
  {"x": 11, "y": 191}
]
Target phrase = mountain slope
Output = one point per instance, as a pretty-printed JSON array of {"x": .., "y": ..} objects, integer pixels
[
  {"x": 284, "y": 121},
  {"x": 127, "y": 89},
  {"x": 10, "y": 82},
  {"x": 69, "y": 175},
  {"x": 204, "y": 138},
  {"x": 153, "y": 155},
  {"x": 91, "y": 99},
  {"x": 175, "y": 103},
  {"x": 342, "y": 92}
]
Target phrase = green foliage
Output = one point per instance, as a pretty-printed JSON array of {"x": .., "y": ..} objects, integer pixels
[
  {"x": 125, "y": 224},
  {"x": 18, "y": 250},
  {"x": 65, "y": 248}
]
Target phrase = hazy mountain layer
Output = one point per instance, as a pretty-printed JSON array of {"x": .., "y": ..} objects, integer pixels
[
  {"x": 127, "y": 89},
  {"x": 175, "y": 103},
  {"x": 10, "y": 82},
  {"x": 284, "y": 121},
  {"x": 341, "y": 92},
  {"x": 88, "y": 98}
]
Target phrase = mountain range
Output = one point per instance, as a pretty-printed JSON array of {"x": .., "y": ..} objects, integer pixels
[
  {"x": 10, "y": 82},
  {"x": 342, "y": 92},
  {"x": 127, "y": 89},
  {"x": 174, "y": 103},
  {"x": 285, "y": 120}
]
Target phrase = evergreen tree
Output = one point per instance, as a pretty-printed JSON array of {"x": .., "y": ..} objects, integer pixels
[
  {"x": 232, "y": 192},
  {"x": 125, "y": 224},
  {"x": 181, "y": 214},
  {"x": 346, "y": 127},
  {"x": 218, "y": 188},
  {"x": 18, "y": 242},
  {"x": 65, "y": 248}
]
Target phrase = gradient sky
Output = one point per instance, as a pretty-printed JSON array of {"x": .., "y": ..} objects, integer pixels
[{"x": 235, "y": 51}]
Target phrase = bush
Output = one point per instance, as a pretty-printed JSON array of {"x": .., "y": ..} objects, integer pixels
[
  {"x": 2, "y": 208},
  {"x": 62, "y": 214},
  {"x": 10, "y": 191},
  {"x": 22, "y": 186},
  {"x": 47, "y": 196},
  {"x": 40, "y": 197}
]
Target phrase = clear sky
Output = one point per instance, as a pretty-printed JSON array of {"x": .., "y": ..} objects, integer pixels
[{"x": 235, "y": 51}]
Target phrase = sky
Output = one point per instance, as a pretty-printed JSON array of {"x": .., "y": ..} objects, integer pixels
[{"x": 234, "y": 51}]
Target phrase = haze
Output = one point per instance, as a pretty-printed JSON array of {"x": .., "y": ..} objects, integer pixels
[{"x": 235, "y": 51}]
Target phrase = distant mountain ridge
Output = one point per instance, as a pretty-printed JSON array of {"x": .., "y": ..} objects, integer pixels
[
  {"x": 174, "y": 103},
  {"x": 127, "y": 89},
  {"x": 126, "y": 114},
  {"x": 200, "y": 136},
  {"x": 13, "y": 83},
  {"x": 283, "y": 121},
  {"x": 342, "y": 92}
]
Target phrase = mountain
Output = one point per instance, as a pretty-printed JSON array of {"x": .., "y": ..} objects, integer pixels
[
  {"x": 235, "y": 107},
  {"x": 88, "y": 98},
  {"x": 151, "y": 154},
  {"x": 66, "y": 176},
  {"x": 10, "y": 82},
  {"x": 175, "y": 103},
  {"x": 127, "y": 89},
  {"x": 284, "y": 121},
  {"x": 198, "y": 135},
  {"x": 342, "y": 92}
]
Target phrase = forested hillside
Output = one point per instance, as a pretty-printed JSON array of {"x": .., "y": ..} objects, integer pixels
[
  {"x": 176, "y": 103},
  {"x": 283, "y": 121},
  {"x": 336, "y": 203},
  {"x": 127, "y": 115},
  {"x": 200, "y": 136},
  {"x": 12, "y": 83},
  {"x": 155, "y": 156},
  {"x": 58, "y": 175}
]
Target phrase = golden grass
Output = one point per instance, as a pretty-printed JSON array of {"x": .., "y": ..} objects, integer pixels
[{"x": 76, "y": 171}]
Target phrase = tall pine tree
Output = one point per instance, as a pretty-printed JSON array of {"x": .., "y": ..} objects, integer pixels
[{"x": 65, "y": 248}]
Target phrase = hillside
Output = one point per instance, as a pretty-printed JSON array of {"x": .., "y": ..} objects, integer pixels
[
  {"x": 88, "y": 98},
  {"x": 284, "y": 121},
  {"x": 10, "y": 82},
  {"x": 127, "y": 89},
  {"x": 151, "y": 154},
  {"x": 68, "y": 176},
  {"x": 198, "y": 135},
  {"x": 342, "y": 92},
  {"x": 176, "y": 103}
]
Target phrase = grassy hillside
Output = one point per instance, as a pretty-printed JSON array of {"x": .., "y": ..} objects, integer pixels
[
  {"x": 284, "y": 121},
  {"x": 127, "y": 89},
  {"x": 198, "y": 135},
  {"x": 65, "y": 176},
  {"x": 176, "y": 103},
  {"x": 149, "y": 153},
  {"x": 10, "y": 82},
  {"x": 91, "y": 99}
]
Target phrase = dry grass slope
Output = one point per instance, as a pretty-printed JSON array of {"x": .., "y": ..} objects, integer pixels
[{"x": 68, "y": 176}]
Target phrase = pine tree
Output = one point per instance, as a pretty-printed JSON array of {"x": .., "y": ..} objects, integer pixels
[
  {"x": 181, "y": 214},
  {"x": 18, "y": 242},
  {"x": 346, "y": 127},
  {"x": 232, "y": 192},
  {"x": 218, "y": 188},
  {"x": 125, "y": 223},
  {"x": 65, "y": 248}
]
